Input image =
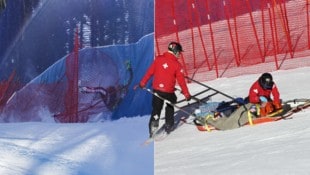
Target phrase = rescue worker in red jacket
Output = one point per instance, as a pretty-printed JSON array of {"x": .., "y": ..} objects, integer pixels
[
  {"x": 165, "y": 70},
  {"x": 260, "y": 93}
]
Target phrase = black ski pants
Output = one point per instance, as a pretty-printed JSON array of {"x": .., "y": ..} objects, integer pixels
[{"x": 157, "y": 105}]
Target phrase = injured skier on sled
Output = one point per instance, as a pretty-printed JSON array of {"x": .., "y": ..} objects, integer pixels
[{"x": 238, "y": 112}]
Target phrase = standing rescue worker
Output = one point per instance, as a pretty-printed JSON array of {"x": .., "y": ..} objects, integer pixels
[{"x": 165, "y": 70}]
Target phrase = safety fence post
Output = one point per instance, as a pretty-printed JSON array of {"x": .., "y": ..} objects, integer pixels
[
  {"x": 200, "y": 33},
  {"x": 284, "y": 26},
  {"x": 264, "y": 28},
  {"x": 238, "y": 59},
  {"x": 308, "y": 21},
  {"x": 274, "y": 43},
  {"x": 177, "y": 35},
  {"x": 212, "y": 37},
  {"x": 230, "y": 33},
  {"x": 255, "y": 31}
]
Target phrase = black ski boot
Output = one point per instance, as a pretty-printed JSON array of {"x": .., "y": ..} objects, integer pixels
[
  {"x": 153, "y": 127},
  {"x": 168, "y": 128}
]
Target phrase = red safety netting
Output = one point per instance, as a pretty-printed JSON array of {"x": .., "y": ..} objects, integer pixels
[
  {"x": 233, "y": 37},
  {"x": 74, "y": 62},
  {"x": 86, "y": 85}
]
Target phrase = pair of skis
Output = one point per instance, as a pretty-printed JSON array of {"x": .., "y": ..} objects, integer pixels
[{"x": 160, "y": 133}]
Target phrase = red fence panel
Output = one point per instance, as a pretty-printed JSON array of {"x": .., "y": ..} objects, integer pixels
[{"x": 232, "y": 37}]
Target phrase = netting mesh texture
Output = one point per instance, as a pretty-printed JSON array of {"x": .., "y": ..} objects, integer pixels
[{"x": 231, "y": 37}]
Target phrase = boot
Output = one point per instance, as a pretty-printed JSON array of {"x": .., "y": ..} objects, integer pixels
[
  {"x": 153, "y": 127},
  {"x": 168, "y": 128}
]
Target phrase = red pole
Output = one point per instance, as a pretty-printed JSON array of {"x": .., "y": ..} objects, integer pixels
[
  {"x": 212, "y": 40},
  {"x": 275, "y": 29},
  {"x": 230, "y": 32},
  {"x": 273, "y": 39},
  {"x": 284, "y": 27},
  {"x": 200, "y": 33},
  {"x": 254, "y": 30},
  {"x": 238, "y": 59},
  {"x": 287, "y": 28},
  {"x": 264, "y": 28},
  {"x": 177, "y": 36},
  {"x": 308, "y": 22},
  {"x": 192, "y": 31}
]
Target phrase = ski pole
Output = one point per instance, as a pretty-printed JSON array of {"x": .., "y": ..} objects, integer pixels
[
  {"x": 176, "y": 106},
  {"x": 168, "y": 102}
]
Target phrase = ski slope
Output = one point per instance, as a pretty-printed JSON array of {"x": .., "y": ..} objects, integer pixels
[
  {"x": 47, "y": 148},
  {"x": 272, "y": 148},
  {"x": 114, "y": 148}
]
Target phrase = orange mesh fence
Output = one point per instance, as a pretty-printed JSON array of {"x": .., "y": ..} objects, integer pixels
[{"x": 232, "y": 37}]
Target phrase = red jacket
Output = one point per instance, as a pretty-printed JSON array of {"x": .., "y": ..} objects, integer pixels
[
  {"x": 256, "y": 91},
  {"x": 166, "y": 70}
]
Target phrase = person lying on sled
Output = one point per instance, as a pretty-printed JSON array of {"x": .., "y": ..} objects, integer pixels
[{"x": 260, "y": 94}]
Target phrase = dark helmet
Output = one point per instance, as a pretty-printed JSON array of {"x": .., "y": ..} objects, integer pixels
[
  {"x": 175, "y": 47},
  {"x": 265, "y": 81}
]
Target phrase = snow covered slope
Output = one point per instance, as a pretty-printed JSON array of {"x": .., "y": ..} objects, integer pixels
[
  {"x": 37, "y": 148},
  {"x": 47, "y": 148},
  {"x": 272, "y": 148}
]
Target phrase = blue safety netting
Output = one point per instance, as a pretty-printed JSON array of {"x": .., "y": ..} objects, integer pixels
[{"x": 38, "y": 35}]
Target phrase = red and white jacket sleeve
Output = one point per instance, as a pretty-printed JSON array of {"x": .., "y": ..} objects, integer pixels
[
  {"x": 275, "y": 94},
  {"x": 254, "y": 93},
  {"x": 148, "y": 75}
]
